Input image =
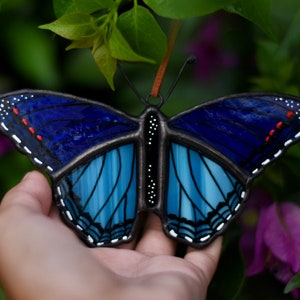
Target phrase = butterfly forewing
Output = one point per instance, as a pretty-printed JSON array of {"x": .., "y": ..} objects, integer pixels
[
  {"x": 53, "y": 129},
  {"x": 249, "y": 129}
]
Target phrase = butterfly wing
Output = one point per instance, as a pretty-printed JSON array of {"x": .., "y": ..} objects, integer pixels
[
  {"x": 215, "y": 151},
  {"x": 88, "y": 151},
  {"x": 109, "y": 218},
  {"x": 202, "y": 196},
  {"x": 53, "y": 129}
]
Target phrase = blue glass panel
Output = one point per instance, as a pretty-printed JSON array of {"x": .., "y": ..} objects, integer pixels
[
  {"x": 239, "y": 127},
  {"x": 202, "y": 196},
  {"x": 67, "y": 125},
  {"x": 100, "y": 197}
]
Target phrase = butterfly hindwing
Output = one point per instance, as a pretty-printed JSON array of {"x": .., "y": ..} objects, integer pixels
[
  {"x": 202, "y": 196},
  {"x": 99, "y": 197}
]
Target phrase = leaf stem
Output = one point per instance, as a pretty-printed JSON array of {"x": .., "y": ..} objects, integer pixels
[{"x": 174, "y": 29}]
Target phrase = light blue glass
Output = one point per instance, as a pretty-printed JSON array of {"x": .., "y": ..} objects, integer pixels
[
  {"x": 107, "y": 186},
  {"x": 201, "y": 194}
]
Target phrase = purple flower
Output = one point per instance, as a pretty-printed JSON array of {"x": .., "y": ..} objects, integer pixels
[
  {"x": 5, "y": 145},
  {"x": 276, "y": 244},
  {"x": 208, "y": 50},
  {"x": 258, "y": 200}
]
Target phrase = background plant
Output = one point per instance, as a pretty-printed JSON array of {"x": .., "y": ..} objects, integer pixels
[{"x": 242, "y": 45}]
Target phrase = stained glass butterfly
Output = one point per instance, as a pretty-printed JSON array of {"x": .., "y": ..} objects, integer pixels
[{"x": 194, "y": 170}]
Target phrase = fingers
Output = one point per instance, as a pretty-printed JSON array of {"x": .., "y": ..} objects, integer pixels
[
  {"x": 33, "y": 193},
  {"x": 153, "y": 241},
  {"x": 205, "y": 260}
]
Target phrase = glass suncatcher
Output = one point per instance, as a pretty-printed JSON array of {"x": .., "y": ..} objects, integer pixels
[{"x": 194, "y": 170}]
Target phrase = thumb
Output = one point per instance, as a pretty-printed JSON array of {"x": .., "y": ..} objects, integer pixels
[{"x": 32, "y": 193}]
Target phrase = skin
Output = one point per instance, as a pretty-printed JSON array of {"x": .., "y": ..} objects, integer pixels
[{"x": 40, "y": 258}]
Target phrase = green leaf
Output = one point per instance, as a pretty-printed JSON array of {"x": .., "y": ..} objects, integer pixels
[
  {"x": 143, "y": 33},
  {"x": 73, "y": 26},
  {"x": 180, "y": 9},
  {"x": 62, "y": 7},
  {"x": 86, "y": 42},
  {"x": 105, "y": 62},
  {"x": 121, "y": 50},
  {"x": 294, "y": 283},
  {"x": 258, "y": 12}
]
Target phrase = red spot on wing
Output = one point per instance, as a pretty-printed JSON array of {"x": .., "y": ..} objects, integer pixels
[
  {"x": 279, "y": 125},
  {"x": 289, "y": 114},
  {"x": 272, "y": 132},
  {"x": 31, "y": 129},
  {"x": 26, "y": 123},
  {"x": 16, "y": 111}
]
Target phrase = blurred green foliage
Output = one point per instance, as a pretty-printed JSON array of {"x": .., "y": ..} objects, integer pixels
[{"x": 263, "y": 37}]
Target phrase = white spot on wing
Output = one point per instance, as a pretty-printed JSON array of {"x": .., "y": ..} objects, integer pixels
[
  {"x": 4, "y": 126},
  {"x": 220, "y": 226},
  {"x": 38, "y": 161},
  {"x": 229, "y": 217},
  {"x": 237, "y": 207},
  {"x": 27, "y": 150},
  {"x": 16, "y": 138},
  {"x": 205, "y": 238},
  {"x": 90, "y": 239},
  {"x": 187, "y": 238},
  {"x": 50, "y": 168},
  {"x": 69, "y": 215},
  {"x": 278, "y": 153},
  {"x": 79, "y": 227},
  {"x": 288, "y": 142},
  {"x": 173, "y": 233},
  {"x": 265, "y": 162}
]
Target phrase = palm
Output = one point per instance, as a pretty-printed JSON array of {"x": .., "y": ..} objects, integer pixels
[{"x": 38, "y": 243}]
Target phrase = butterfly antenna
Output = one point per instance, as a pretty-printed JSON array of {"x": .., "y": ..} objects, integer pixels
[
  {"x": 190, "y": 60},
  {"x": 136, "y": 92}
]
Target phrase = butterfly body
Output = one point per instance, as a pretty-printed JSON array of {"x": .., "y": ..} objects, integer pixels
[{"x": 194, "y": 170}]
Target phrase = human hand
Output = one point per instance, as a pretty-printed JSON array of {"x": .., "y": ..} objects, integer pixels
[{"x": 41, "y": 258}]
